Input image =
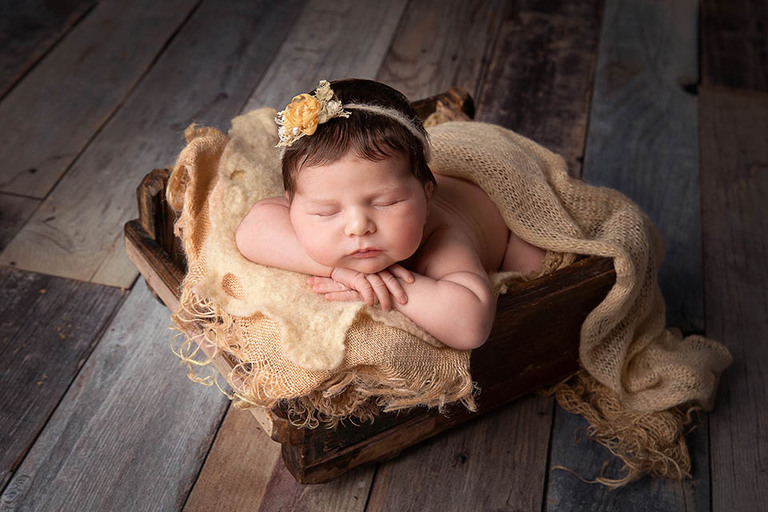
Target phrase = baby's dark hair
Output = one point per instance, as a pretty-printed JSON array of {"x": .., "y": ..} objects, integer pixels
[{"x": 367, "y": 134}]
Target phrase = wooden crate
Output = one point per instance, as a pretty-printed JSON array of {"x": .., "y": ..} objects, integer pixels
[{"x": 534, "y": 341}]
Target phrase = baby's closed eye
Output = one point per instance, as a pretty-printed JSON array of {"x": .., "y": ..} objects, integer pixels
[
  {"x": 386, "y": 202},
  {"x": 325, "y": 213}
]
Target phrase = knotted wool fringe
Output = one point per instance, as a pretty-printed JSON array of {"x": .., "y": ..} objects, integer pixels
[{"x": 651, "y": 443}]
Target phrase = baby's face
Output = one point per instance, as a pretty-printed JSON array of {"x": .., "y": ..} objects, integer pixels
[{"x": 359, "y": 214}]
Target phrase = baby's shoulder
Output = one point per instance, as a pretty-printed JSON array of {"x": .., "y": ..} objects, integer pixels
[{"x": 445, "y": 250}]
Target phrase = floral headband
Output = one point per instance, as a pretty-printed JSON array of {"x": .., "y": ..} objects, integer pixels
[{"x": 307, "y": 111}]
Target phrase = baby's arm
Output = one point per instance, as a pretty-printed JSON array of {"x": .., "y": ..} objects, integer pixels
[
  {"x": 266, "y": 236},
  {"x": 453, "y": 299}
]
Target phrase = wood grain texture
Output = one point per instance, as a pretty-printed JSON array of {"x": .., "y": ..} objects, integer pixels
[
  {"x": 131, "y": 432},
  {"x": 331, "y": 39},
  {"x": 345, "y": 494},
  {"x": 48, "y": 326},
  {"x": 238, "y": 468},
  {"x": 735, "y": 44},
  {"x": 427, "y": 56},
  {"x": 14, "y": 213},
  {"x": 28, "y": 28},
  {"x": 572, "y": 488},
  {"x": 495, "y": 463},
  {"x": 643, "y": 135},
  {"x": 539, "y": 79},
  {"x": 54, "y": 108},
  {"x": 734, "y": 187},
  {"x": 204, "y": 76}
]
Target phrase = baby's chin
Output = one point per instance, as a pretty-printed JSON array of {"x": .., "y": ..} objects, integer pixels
[{"x": 367, "y": 266}]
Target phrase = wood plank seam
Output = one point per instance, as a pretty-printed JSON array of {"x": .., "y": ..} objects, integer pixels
[
  {"x": 81, "y": 363},
  {"x": 207, "y": 454},
  {"x": 83, "y": 356}
]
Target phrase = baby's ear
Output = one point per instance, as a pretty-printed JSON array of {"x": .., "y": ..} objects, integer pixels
[
  {"x": 287, "y": 196},
  {"x": 429, "y": 188}
]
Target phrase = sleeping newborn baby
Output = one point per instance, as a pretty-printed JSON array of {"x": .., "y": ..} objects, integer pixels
[{"x": 364, "y": 216}]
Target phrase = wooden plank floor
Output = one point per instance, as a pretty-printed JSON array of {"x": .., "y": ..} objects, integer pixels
[{"x": 665, "y": 101}]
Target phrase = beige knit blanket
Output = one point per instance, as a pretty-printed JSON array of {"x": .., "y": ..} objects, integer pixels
[{"x": 342, "y": 357}]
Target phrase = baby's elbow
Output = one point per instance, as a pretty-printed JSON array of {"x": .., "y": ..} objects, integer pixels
[
  {"x": 250, "y": 233},
  {"x": 243, "y": 240},
  {"x": 247, "y": 236},
  {"x": 475, "y": 329},
  {"x": 479, "y": 333}
]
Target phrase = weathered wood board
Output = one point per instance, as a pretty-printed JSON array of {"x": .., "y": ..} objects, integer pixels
[
  {"x": 347, "y": 493},
  {"x": 427, "y": 56},
  {"x": 734, "y": 44},
  {"x": 539, "y": 78},
  {"x": 53, "y": 105},
  {"x": 643, "y": 135},
  {"x": 238, "y": 468},
  {"x": 131, "y": 432},
  {"x": 497, "y": 462},
  {"x": 29, "y": 29},
  {"x": 14, "y": 213},
  {"x": 575, "y": 463},
  {"x": 48, "y": 327},
  {"x": 734, "y": 188},
  {"x": 330, "y": 40},
  {"x": 77, "y": 231}
]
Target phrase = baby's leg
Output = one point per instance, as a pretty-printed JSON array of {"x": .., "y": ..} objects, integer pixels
[{"x": 522, "y": 256}]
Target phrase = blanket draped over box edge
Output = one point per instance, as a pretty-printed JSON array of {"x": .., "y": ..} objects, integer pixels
[{"x": 333, "y": 359}]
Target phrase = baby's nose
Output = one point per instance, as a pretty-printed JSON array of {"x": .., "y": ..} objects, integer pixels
[{"x": 359, "y": 224}]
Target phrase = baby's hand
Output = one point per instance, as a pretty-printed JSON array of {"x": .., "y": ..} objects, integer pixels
[{"x": 349, "y": 285}]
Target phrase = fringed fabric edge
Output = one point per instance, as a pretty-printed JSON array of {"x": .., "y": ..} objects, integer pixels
[
  {"x": 357, "y": 394},
  {"x": 648, "y": 443}
]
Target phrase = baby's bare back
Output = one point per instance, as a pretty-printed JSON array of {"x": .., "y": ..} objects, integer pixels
[{"x": 464, "y": 208}]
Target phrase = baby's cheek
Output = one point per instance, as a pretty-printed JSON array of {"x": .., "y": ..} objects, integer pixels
[
  {"x": 320, "y": 249},
  {"x": 409, "y": 240}
]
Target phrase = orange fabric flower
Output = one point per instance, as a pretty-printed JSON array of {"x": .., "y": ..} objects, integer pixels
[{"x": 302, "y": 113}]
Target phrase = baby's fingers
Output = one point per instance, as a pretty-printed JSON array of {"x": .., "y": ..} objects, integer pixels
[
  {"x": 346, "y": 296},
  {"x": 401, "y": 272},
  {"x": 393, "y": 286},
  {"x": 326, "y": 285},
  {"x": 381, "y": 290},
  {"x": 361, "y": 284}
]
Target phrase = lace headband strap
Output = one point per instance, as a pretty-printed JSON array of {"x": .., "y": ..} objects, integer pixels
[
  {"x": 307, "y": 111},
  {"x": 397, "y": 116}
]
